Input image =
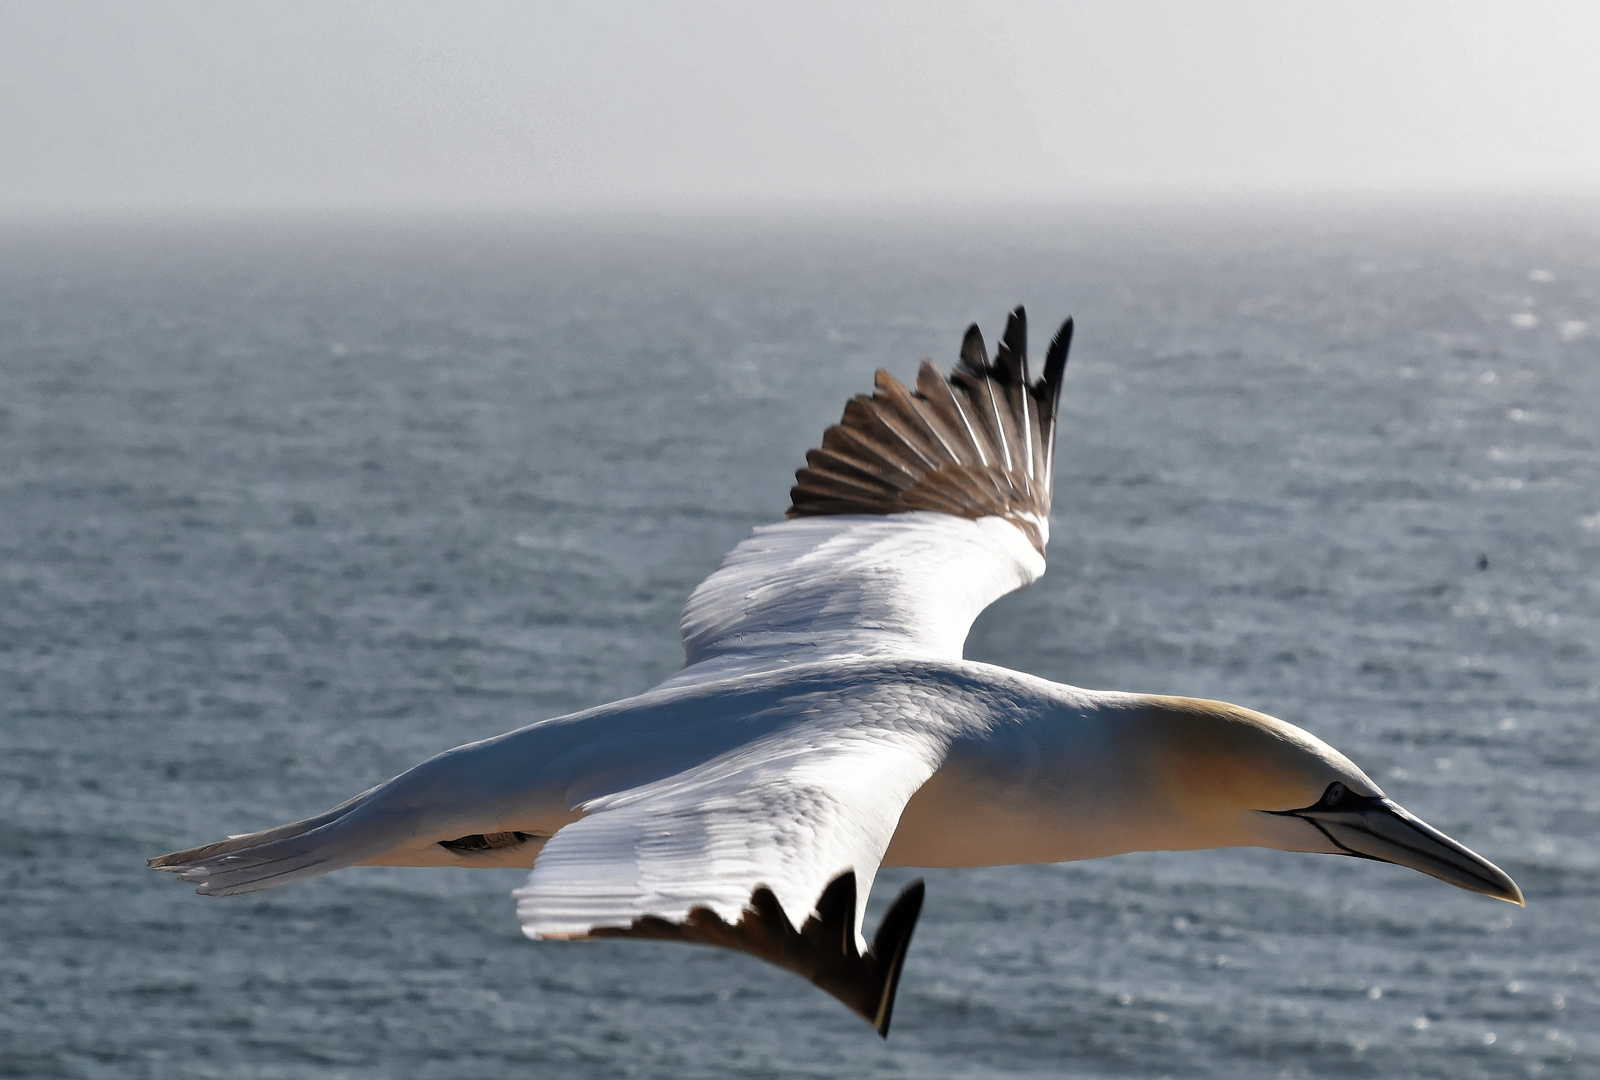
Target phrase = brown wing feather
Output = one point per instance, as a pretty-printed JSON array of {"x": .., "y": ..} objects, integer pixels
[
  {"x": 979, "y": 443},
  {"x": 894, "y": 398},
  {"x": 939, "y": 403}
]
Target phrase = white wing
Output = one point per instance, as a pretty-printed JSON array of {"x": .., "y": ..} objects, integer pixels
[
  {"x": 919, "y": 509},
  {"x": 819, "y": 588},
  {"x": 789, "y": 811}
]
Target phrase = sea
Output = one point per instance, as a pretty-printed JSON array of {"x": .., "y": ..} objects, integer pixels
[{"x": 288, "y": 504}]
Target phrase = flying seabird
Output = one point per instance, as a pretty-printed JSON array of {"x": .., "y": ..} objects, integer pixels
[{"x": 825, "y": 724}]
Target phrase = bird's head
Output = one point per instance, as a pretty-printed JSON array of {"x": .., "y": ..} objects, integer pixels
[{"x": 1237, "y": 777}]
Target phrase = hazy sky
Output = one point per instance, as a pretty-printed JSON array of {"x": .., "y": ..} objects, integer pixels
[{"x": 346, "y": 103}]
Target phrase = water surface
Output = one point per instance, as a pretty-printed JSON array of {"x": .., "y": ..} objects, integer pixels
[{"x": 286, "y": 508}]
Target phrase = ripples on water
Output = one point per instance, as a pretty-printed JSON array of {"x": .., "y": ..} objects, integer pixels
[{"x": 284, "y": 510}]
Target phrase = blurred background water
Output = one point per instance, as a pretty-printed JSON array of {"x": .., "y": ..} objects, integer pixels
[{"x": 287, "y": 506}]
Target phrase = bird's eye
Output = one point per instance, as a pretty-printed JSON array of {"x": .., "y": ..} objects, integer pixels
[{"x": 1334, "y": 795}]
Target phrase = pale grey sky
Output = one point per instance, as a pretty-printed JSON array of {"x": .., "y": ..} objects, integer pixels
[{"x": 159, "y": 106}]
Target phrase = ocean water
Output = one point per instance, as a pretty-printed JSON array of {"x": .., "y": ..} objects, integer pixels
[{"x": 288, "y": 506}]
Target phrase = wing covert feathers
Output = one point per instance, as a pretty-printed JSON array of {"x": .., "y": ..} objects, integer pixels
[{"x": 980, "y": 443}]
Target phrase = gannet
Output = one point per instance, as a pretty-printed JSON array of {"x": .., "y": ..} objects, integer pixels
[{"x": 825, "y": 723}]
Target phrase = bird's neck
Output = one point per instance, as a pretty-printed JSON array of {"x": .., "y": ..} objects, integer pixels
[{"x": 1076, "y": 780}]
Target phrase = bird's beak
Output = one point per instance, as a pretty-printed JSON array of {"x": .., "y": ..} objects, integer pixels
[{"x": 1376, "y": 828}]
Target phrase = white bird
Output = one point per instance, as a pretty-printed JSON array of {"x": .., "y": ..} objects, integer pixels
[{"x": 825, "y": 724}]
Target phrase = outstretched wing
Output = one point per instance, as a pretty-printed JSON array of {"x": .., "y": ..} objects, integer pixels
[
  {"x": 921, "y": 507},
  {"x": 770, "y": 848}
]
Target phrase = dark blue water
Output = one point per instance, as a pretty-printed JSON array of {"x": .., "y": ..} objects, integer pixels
[{"x": 285, "y": 508}]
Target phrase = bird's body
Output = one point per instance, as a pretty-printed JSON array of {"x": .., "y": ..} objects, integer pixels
[{"x": 825, "y": 724}]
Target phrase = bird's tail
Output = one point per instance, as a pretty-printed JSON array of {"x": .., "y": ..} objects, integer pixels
[{"x": 264, "y": 860}]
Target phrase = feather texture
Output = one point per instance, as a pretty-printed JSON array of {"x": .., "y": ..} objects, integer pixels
[
  {"x": 819, "y": 588},
  {"x": 978, "y": 444}
]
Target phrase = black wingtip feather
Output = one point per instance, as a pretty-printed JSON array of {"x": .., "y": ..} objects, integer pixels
[
  {"x": 889, "y": 945},
  {"x": 1012, "y": 355},
  {"x": 822, "y": 951},
  {"x": 974, "y": 353},
  {"x": 1055, "y": 362}
]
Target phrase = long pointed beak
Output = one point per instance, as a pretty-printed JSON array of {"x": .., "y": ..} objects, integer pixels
[{"x": 1376, "y": 828}]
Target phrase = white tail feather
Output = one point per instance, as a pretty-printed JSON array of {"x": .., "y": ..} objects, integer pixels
[{"x": 293, "y": 852}]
